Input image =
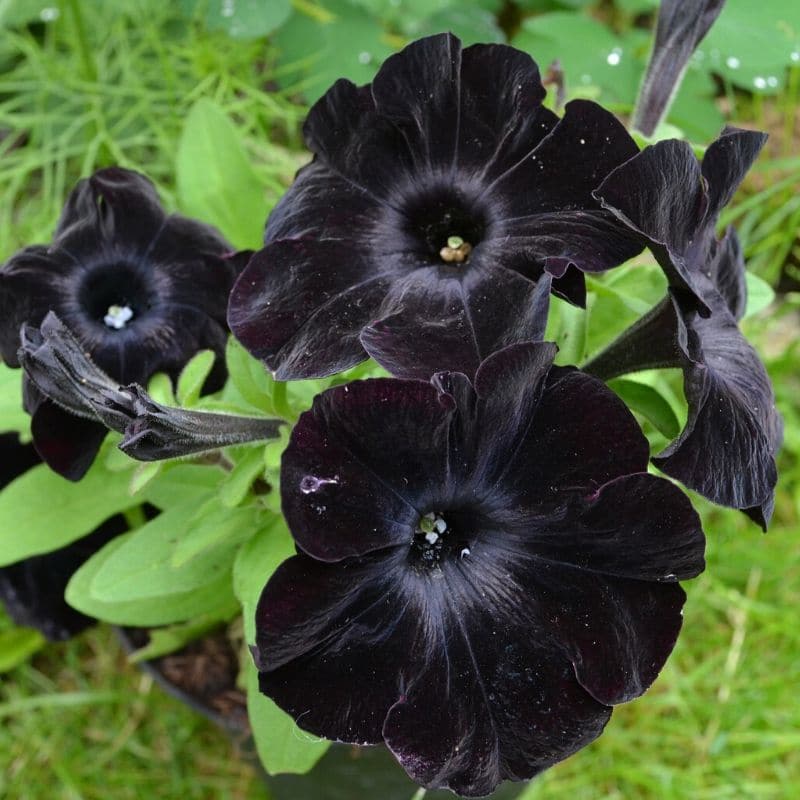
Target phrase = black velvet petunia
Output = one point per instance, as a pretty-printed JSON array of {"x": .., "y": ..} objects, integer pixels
[
  {"x": 441, "y": 201},
  {"x": 483, "y": 569},
  {"x": 141, "y": 290},
  {"x": 727, "y": 450},
  {"x": 33, "y": 590}
]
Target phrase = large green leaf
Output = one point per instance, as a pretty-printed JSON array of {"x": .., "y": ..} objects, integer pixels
[
  {"x": 214, "y": 527},
  {"x": 648, "y": 401},
  {"x": 12, "y": 417},
  {"x": 342, "y": 41},
  {"x": 589, "y": 53},
  {"x": 143, "y": 567},
  {"x": 256, "y": 561},
  {"x": 216, "y": 181},
  {"x": 281, "y": 745},
  {"x": 753, "y": 42},
  {"x": 247, "y": 19},
  {"x": 180, "y": 483},
  {"x": 213, "y": 599},
  {"x": 41, "y": 511}
]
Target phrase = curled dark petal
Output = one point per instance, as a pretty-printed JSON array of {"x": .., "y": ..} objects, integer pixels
[
  {"x": 680, "y": 27},
  {"x": 660, "y": 194},
  {"x": 727, "y": 450},
  {"x": 673, "y": 201},
  {"x": 113, "y": 205},
  {"x": 726, "y": 162},
  {"x": 727, "y": 272},
  {"x": 480, "y": 576},
  {"x": 29, "y": 283},
  {"x": 66, "y": 443},
  {"x": 450, "y": 324}
]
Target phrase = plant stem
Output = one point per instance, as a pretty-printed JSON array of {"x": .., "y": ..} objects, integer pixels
[
  {"x": 89, "y": 66},
  {"x": 650, "y": 343},
  {"x": 280, "y": 401}
]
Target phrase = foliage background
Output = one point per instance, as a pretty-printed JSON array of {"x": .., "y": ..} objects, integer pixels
[{"x": 205, "y": 96}]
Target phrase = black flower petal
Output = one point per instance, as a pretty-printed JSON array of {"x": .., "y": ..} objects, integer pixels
[
  {"x": 436, "y": 193},
  {"x": 673, "y": 201},
  {"x": 481, "y": 574},
  {"x": 141, "y": 290},
  {"x": 727, "y": 450}
]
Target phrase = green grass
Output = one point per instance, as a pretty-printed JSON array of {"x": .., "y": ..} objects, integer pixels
[{"x": 722, "y": 721}]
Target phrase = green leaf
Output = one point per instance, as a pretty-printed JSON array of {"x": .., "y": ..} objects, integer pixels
[
  {"x": 247, "y": 19},
  {"x": 589, "y": 52},
  {"x": 571, "y": 339},
  {"x": 41, "y": 511},
  {"x": 752, "y": 43},
  {"x": 648, "y": 401},
  {"x": 471, "y": 24},
  {"x": 180, "y": 483},
  {"x": 142, "y": 568},
  {"x": 172, "y": 638},
  {"x": 193, "y": 376},
  {"x": 17, "y": 645},
  {"x": 343, "y": 41},
  {"x": 214, "y": 527},
  {"x": 12, "y": 417},
  {"x": 282, "y": 746},
  {"x": 213, "y": 599},
  {"x": 216, "y": 181},
  {"x": 256, "y": 561},
  {"x": 249, "y": 377},
  {"x": 239, "y": 480},
  {"x": 759, "y": 294}
]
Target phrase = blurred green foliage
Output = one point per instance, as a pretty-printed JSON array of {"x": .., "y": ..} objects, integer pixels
[{"x": 194, "y": 92}]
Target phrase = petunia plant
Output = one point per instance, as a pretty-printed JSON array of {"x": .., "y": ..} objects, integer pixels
[{"x": 415, "y": 455}]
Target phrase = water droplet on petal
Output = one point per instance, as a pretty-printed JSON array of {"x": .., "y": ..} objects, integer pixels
[{"x": 311, "y": 483}]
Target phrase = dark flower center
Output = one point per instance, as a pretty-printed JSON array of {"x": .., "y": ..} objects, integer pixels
[
  {"x": 437, "y": 538},
  {"x": 115, "y": 295},
  {"x": 444, "y": 225}
]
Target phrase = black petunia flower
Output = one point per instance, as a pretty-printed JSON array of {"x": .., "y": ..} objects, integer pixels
[
  {"x": 142, "y": 291},
  {"x": 441, "y": 200},
  {"x": 32, "y": 590},
  {"x": 727, "y": 450},
  {"x": 483, "y": 569}
]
